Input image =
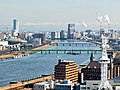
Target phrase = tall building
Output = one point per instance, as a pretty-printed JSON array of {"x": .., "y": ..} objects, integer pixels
[
  {"x": 62, "y": 35},
  {"x": 66, "y": 70},
  {"x": 71, "y": 30},
  {"x": 52, "y": 35},
  {"x": 15, "y": 27}
]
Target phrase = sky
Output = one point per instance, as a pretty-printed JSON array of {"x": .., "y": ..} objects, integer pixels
[{"x": 50, "y": 12}]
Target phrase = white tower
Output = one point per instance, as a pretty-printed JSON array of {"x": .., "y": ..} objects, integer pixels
[
  {"x": 15, "y": 27},
  {"x": 104, "y": 85}
]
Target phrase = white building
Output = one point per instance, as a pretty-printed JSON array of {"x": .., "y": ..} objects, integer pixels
[
  {"x": 65, "y": 85},
  {"x": 44, "y": 85},
  {"x": 41, "y": 86},
  {"x": 90, "y": 85},
  {"x": 4, "y": 43},
  {"x": 57, "y": 34},
  {"x": 94, "y": 84}
]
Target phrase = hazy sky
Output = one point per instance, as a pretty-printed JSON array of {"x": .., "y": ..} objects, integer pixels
[{"x": 58, "y": 11}]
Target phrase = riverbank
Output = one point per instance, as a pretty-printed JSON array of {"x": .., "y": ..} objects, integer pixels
[
  {"x": 22, "y": 84},
  {"x": 43, "y": 47},
  {"x": 16, "y": 54},
  {"x": 35, "y": 65}
]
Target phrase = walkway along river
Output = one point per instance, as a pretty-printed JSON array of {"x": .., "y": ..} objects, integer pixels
[{"x": 37, "y": 64}]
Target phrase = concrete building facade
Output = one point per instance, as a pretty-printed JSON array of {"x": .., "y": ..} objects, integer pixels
[
  {"x": 71, "y": 30},
  {"x": 15, "y": 27},
  {"x": 66, "y": 70},
  {"x": 65, "y": 85}
]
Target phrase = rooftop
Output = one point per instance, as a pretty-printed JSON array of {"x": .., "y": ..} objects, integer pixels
[
  {"x": 94, "y": 64},
  {"x": 42, "y": 83},
  {"x": 17, "y": 40},
  {"x": 64, "y": 61}
]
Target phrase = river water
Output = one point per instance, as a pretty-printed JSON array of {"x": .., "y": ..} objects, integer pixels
[{"x": 37, "y": 64}]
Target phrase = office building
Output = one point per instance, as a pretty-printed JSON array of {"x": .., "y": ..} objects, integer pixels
[
  {"x": 15, "y": 27},
  {"x": 71, "y": 30},
  {"x": 62, "y": 35},
  {"x": 36, "y": 41},
  {"x": 66, "y": 70},
  {"x": 40, "y": 35},
  {"x": 52, "y": 35},
  {"x": 57, "y": 35}
]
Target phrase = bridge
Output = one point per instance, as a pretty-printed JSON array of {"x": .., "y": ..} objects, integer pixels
[
  {"x": 53, "y": 51},
  {"x": 77, "y": 44}
]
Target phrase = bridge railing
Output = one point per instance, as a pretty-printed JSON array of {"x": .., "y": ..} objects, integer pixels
[{"x": 68, "y": 51}]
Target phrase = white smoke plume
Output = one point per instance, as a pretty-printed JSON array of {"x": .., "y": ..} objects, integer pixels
[
  {"x": 100, "y": 19},
  {"x": 84, "y": 24},
  {"x": 107, "y": 19}
]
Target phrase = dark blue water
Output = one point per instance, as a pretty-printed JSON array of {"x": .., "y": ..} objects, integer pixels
[{"x": 37, "y": 64}]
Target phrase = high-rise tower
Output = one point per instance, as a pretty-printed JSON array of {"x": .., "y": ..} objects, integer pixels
[
  {"x": 104, "y": 61},
  {"x": 15, "y": 27},
  {"x": 71, "y": 30}
]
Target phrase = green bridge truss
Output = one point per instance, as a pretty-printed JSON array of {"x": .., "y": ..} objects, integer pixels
[{"x": 66, "y": 51}]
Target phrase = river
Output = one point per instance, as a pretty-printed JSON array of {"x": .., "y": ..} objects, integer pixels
[{"x": 35, "y": 65}]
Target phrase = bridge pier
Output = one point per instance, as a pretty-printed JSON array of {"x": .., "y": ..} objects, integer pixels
[
  {"x": 76, "y": 44},
  {"x": 64, "y": 52},
  {"x": 45, "y": 52},
  {"x": 41, "y": 52},
  {"x": 80, "y": 52},
  {"x": 87, "y": 52},
  {"x": 94, "y": 52},
  {"x": 49, "y": 52},
  {"x": 82, "y": 44}
]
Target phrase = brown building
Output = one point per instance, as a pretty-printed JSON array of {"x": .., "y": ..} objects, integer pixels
[
  {"x": 92, "y": 70},
  {"x": 116, "y": 66},
  {"x": 66, "y": 70}
]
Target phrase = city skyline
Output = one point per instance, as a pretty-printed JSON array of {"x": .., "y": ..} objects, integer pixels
[{"x": 47, "y": 12}]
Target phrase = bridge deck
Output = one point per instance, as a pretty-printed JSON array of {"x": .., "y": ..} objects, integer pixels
[{"x": 65, "y": 51}]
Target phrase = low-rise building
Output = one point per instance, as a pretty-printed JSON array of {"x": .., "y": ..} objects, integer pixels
[
  {"x": 94, "y": 84},
  {"x": 92, "y": 70},
  {"x": 65, "y": 85},
  {"x": 49, "y": 85}
]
